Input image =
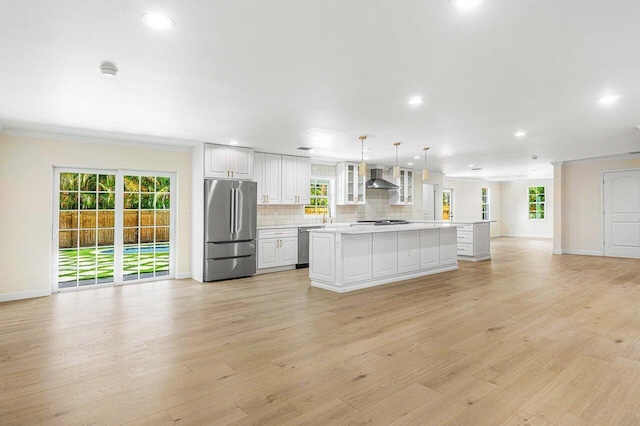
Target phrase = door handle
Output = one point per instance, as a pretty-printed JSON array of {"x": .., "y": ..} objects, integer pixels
[
  {"x": 233, "y": 211},
  {"x": 237, "y": 203}
]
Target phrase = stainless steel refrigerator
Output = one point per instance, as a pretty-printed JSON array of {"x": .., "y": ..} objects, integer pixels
[{"x": 230, "y": 208}]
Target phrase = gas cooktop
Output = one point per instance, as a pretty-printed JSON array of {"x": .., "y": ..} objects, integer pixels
[{"x": 385, "y": 222}]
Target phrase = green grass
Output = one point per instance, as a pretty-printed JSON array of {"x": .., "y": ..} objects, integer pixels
[{"x": 84, "y": 265}]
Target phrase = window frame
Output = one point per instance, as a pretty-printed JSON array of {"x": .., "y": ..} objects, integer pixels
[
  {"x": 486, "y": 201},
  {"x": 331, "y": 197},
  {"x": 542, "y": 203}
]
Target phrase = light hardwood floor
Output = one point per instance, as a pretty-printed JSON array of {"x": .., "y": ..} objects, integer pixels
[{"x": 526, "y": 338}]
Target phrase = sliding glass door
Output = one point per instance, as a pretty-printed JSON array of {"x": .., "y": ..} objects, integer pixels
[{"x": 112, "y": 226}]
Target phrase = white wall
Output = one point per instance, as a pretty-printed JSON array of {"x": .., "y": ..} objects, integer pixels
[
  {"x": 467, "y": 201},
  {"x": 515, "y": 214},
  {"x": 581, "y": 231},
  {"x": 26, "y": 197}
]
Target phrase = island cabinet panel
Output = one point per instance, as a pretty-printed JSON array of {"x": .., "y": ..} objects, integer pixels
[
  {"x": 322, "y": 255},
  {"x": 385, "y": 259},
  {"x": 408, "y": 251},
  {"x": 482, "y": 241},
  {"x": 429, "y": 248},
  {"x": 357, "y": 260},
  {"x": 448, "y": 246}
]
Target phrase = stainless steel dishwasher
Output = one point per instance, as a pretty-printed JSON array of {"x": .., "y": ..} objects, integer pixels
[{"x": 303, "y": 246}]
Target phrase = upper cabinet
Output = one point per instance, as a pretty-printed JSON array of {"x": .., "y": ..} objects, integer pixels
[
  {"x": 351, "y": 188},
  {"x": 224, "y": 162},
  {"x": 266, "y": 172},
  {"x": 404, "y": 194},
  {"x": 296, "y": 173}
]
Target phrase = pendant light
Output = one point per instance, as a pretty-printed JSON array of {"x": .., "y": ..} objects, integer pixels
[
  {"x": 396, "y": 168},
  {"x": 362, "y": 167},
  {"x": 425, "y": 171}
]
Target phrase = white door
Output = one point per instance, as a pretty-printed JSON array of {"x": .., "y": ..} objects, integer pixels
[
  {"x": 303, "y": 175},
  {"x": 289, "y": 180},
  {"x": 622, "y": 214},
  {"x": 288, "y": 251},
  {"x": 241, "y": 163},
  {"x": 428, "y": 201},
  {"x": 267, "y": 253},
  {"x": 271, "y": 184},
  {"x": 258, "y": 176},
  {"x": 216, "y": 162}
]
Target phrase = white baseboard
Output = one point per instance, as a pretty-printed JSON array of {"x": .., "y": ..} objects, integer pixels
[
  {"x": 183, "y": 275},
  {"x": 7, "y": 297},
  {"x": 527, "y": 236},
  {"x": 583, "y": 252},
  {"x": 557, "y": 251}
]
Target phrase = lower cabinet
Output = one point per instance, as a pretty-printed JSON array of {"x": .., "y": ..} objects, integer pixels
[
  {"x": 474, "y": 241},
  {"x": 408, "y": 251},
  {"x": 448, "y": 246},
  {"x": 346, "y": 261},
  {"x": 385, "y": 260},
  {"x": 357, "y": 261},
  {"x": 429, "y": 248},
  {"x": 277, "y": 247}
]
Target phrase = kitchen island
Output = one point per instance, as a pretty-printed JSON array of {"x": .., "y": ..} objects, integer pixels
[{"x": 350, "y": 258}]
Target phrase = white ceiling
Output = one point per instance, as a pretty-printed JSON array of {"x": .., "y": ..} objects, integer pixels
[{"x": 276, "y": 75}]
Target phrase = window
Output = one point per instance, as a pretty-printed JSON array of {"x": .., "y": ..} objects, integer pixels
[
  {"x": 321, "y": 196},
  {"x": 536, "y": 203},
  {"x": 485, "y": 204}
]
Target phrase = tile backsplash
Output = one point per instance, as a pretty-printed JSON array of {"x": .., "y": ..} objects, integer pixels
[{"x": 376, "y": 207}]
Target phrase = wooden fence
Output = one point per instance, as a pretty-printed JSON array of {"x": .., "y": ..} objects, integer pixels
[{"x": 99, "y": 224}]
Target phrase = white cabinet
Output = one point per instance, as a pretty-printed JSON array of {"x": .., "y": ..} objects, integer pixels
[
  {"x": 277, "y": 247},
  {"x": 266, "y": 171},
  {"x": 296, "y": 173},
  {"x": 404, "y": 194},
  {"x": 385, "y": 259},
  {"x": 448, "y": 246},
  {"x": 474, "y": 241},
  {"x": 429, "y": 248},
  {"x": 224, "y": 162},
  {"x": 350, "y": 187},
  {"x": 408, "y": 251},
  {"x": 357, "y": 257}
]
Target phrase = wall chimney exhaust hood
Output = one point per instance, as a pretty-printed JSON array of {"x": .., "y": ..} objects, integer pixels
[{"x": 376, "y": 181}]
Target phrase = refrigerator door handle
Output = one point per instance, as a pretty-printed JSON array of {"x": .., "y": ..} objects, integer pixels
[
  {"x": 233, "y": 211},
  {"x": 236, "y": 204}
]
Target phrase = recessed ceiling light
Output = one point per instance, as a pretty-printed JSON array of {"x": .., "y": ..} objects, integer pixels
[
  {"x": 417, "y": 157},
  {"x": 471, "y": 165},
  {"x": 158, "y": 21},
  {"x": 410, "y": 164},
  {"x": 416, "y": 100},
  {"x": 520, "y": 134},
  {"x": 313, "y": 151},
  {"x": 466, "y": 4},
  {"x": 609, "y": 99},
  {"x": 233, "y": 142},
  {"x": 367, "y": 158}
]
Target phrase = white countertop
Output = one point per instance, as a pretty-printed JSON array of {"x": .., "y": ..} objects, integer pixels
[
  {"x": 370, "y": 229},
  {"x": 460, "y": 222},
  {"x": 302, "y": 225}
]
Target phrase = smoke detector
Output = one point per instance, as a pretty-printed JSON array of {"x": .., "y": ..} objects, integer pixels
[{"x": 107, "y": 68}]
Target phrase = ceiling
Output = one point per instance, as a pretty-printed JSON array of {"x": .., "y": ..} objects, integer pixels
[{"x": 277, "y": 75}]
